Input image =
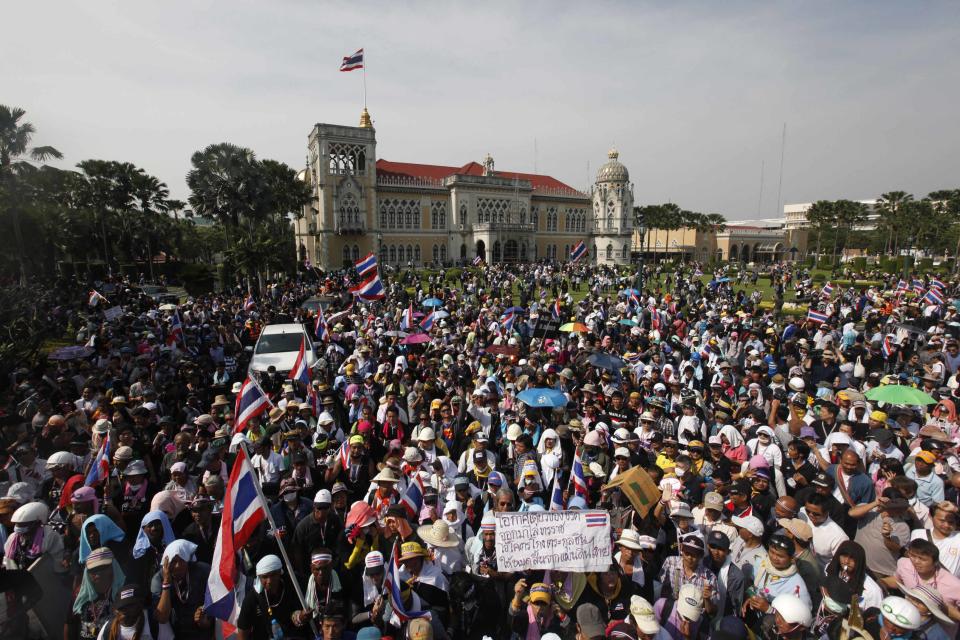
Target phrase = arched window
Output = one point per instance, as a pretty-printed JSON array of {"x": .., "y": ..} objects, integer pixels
[
  {"x": 436, "y": 253},
  {"x": 383, "y": 215},
  {"x": 609, "y": 221},
  {"x": 535, "y": 216},
  {"x": 463, "y": 252},
  {"x": 393, "y": 253},
  {"x": 401, "y": 255},
  {"x": 609, "y": 252},
  {"x": 416, "y": 254},
  {"x": 410, "y": 252},
  {"x": 463, "y": 214},
  {"x": 391, "y": 217},
  {"x": 626, "y": 251},
  {"x": 356, "y": 253},
  {"x": 443, "y": 253},
  {"x": 438, "y": 215},
  {"x": 349, "y": 214},
  {"x": 346, "y": 254}
]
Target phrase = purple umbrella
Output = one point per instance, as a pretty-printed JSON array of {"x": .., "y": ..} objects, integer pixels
[
  {"x": 70, "y": 353},
  {"x": 417, "y": 338}
]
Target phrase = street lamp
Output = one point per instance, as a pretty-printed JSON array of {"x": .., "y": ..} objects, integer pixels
[{"x": 642, "y": 231}]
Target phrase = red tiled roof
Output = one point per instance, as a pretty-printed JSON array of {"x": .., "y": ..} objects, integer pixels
[{"x": 439, "y": 172}]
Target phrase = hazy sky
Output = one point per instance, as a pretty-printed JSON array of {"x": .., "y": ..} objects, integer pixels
[{"x": 694, "y": 95}]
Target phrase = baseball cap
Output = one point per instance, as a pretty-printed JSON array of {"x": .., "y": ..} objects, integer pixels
[
  {"x": 591, "y": 625},
  {"x": 690, "y": 602},
  {"x": 713, "y": 500},
  {"x": 927, "y": 457},
  {"x": 643, "y": 615},
  {"x": 323, "y": 497},
  {"x": 750, "y": 523},
  {"x": 718, "y": 540},
  {"x": 822, "y": 480}
]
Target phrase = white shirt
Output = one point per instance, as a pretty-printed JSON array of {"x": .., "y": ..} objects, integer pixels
[
  {"x": 270, "y": 468},
  {"x": 826, "y": 538}
]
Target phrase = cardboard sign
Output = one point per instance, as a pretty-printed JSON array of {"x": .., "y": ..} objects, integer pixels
[
  {"x": 559, "y": 540},
  {"x": 639, "y": 489},
  {"x": 112, "y": 313},
  {"x": 547, "y": 327}
]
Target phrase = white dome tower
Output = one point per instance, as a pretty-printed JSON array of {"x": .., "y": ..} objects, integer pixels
[{"x": 612, "y": 212}]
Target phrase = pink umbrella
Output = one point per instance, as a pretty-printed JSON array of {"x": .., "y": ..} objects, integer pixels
[{"x": 417, "y": 338}]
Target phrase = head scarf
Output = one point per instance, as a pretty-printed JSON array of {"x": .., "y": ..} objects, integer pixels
[
  {"x": 542, "y": 445},
  {"x": 109, "y": 532},
  {"x": 88, "y": 593},
  {"x": 170, "y": 502},
  {"x": 85, "y": 494},
  {"x": 267, "y": 564},
  {"x": 32, "y": 512},
  {"x": 183, "y": 549},
  {"x": 142, "y": 544},
  {"x": 733, "y": 436}
]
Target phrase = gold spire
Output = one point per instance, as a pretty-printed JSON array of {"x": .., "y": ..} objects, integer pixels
[
  {"x": 365, "y": 122},
  {"x": 613, "y": 154}
]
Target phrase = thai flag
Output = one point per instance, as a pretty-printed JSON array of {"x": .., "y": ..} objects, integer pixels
[
  {"x": 427, "y": 323},
  {"x": 597, "y": 519},
  {"x": 577, "y": 478},
  {"x": 243, "y": 511},
  {"x": 313, "y": 399},
  {"x": 579, "y": 250},
  {"x": 248, "y": 302},
  {"x": 902, "y": 285},
  {"x": 827, "y": 290},
  {"x": 556, "y": 495},
  {"x": 816, "y": 316},
  {"x": 634, "y": 300},
  {"x": 352, "y": 62},
  {"x": 556, "y": 310},
  {"x": 887, "y": 347},
  {"x": 412, "y": 498},
  {"x": 507, "y": 320},
  {"x": 933, "y": 296},
  {"x": 100, "y": 468},
  {"x": 918, "y": 285},
  {"x": 369, "y": 289},
  {"x": 367, "y": 266},
  {"x": 344, "y": 454},
  {"x": 320, "y": 329},
  {"x": 176, "y": 330},
  {"x": 340, "y": 314},
  {"x": 934, "y": 282},
  {"x": 393, "y": 582},
  {"x": 301, "y": 372},
  {"x": 407, "y": 321},
  {"x": 251, "y": 402},
  {"x": 477, "y": 261},
  {"x": 95, "y": 298}
]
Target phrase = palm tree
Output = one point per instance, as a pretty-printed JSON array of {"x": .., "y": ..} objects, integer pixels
[
  {"x": 847, "y": 216},
  {"x": 820, "y": 216},
  {"x": 946, "y": 202},
  {"x": 891, "y": 206},
  {"x": 15, "y": 149}
]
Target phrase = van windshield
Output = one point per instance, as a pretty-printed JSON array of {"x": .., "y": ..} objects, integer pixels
[{"x": 279, "y": 343}]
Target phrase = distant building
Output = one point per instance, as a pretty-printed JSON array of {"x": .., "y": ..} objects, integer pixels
[
  {"x": 740, "y": 241},
  {"x": 411, "y": 213},
  {"x": 795, "y": 215}
]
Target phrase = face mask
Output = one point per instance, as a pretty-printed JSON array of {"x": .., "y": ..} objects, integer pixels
[
  {"x": 290, "y": 498},
  {"x": 20, "y": 528},
  {"x": 135, "y": 487},
  {"x": 833, "y": 605},
  {"x": 680, "y": 472}
]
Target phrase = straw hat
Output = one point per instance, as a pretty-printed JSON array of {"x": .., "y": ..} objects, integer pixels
[
  {"x": 386, "y": 475},
  {"x": 438, "y": 534},
  {"x": 220, "y": 401}
]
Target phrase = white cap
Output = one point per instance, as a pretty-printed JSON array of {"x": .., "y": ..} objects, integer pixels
[
  {"x": 621, "y": 452},
  {"x": 690, "y": 602},
  {"x": 426, "y": 434},
  {"x": 750, "y": 523},
  {"x": 796, "y": 384},
  {"x": 903, "y": 614},
  {"x": 792, "y": 609},
  {"x": 323, "y": 497}
]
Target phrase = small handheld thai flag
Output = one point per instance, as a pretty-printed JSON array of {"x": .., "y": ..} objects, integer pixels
[
  {"x": 427, "y": 323},
  {"x": 477, "y": 261},
  {"x": 176, "y": 330},
  {"x": 344, "y": 454},
  {"x": 556, "y": 310},
  {"x": 933, "y": 296},
  {"x": 406, "y": 322},
  {"x": 902, "y": 285},
  {"x": 100, "y": 468},
  {"x": 887, "y": 347},
  {"x": 634, "y": 300},
  {"x": 95, "y": 298},
  {"x": 392, "y": 584},
  {"x": 816, "y": 316},
  {"x": 918, "y": 285},
  {"x": 320, "y": 329},
  {"x": 352, "y": 62},
  {"x": 248, "y": 302},
  {"x": 367, "y": 266},
  {"x": 300, "y": 371},
  {"x": 251, "y": 402},
  {"x": 313, "y": 399},
  {"x": 507, "y": 320},
  {"x": 827, "y": 290},
  {"x": 579, "y": 250},
  {"x": 577, "y": 479},
  {"x": 369, "y": 289},
  {"x": 934, "y": 282},
  {"x": 556, "y": 495},
  {"x": 412, "y": 498}
]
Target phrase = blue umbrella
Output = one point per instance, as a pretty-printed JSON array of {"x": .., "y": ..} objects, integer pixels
[
  {"x": 605, "y": 361},
  {"x": 630, "y": 292},
  {"x": 543, "y": 398},
  {"x": 440, "y": 314},
  {"x": 518, "y": 310},
  {"x": 628, "y": 322},
  {"x": 432, "y": 302},
  {"x": 722, "y": 280}
]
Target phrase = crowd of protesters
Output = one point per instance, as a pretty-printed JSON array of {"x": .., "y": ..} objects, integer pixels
[{"x": 791, "y": 504}]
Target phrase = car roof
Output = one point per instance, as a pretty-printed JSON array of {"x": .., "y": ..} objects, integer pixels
[{"x": 272, "y": 329}]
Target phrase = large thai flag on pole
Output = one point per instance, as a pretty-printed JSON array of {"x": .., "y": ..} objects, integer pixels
[
  {"x": 827, "y": 290},
  {"x": 320, "y": 327},
  {"x": 176, "y": 329},
  {"x": 556, "y": 496},
  {"x": 301, "y": 372},
  {"x": 427, "y": 323},
  {"x": 577, "y": 479},
  {"x": 95, "y": 298},
  {"x": 369, "y": 289},
  {"x": 100, "y": 468},
  {"x": 579, "y": 250},
  {"x": 935, "y": 282},
  {"x": 248, "y": 302},
  {"x": 352, "y": 62},
  {"x": 367, "y": 266},
  {"x": 392, "y": 584},
  {"x": 477, "y": 261},
  {"x": 243, "y": 511},
  {"x": 556, "y": 310},
  {"x": 886, "y": 348},
  {"x": 406, "y": 322},
  {"x": 251, "y": 402}
]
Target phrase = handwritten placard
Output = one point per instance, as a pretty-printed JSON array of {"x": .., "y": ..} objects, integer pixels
[{"x": 559, "y": 540}]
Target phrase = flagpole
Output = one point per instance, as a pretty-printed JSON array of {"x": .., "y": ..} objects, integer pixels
[
  {"x": 364, "y": 78},
  {"x": 276, "y": 535}
]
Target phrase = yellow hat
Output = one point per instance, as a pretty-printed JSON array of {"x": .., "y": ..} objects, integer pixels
[
  {"x": 927, "y": 457},
  {"x": 843, "y": 395},
  {"x": 357, "y": 439},
  {"x": 435, "y": 404},
  {"x": 540, "y": 592},
  {"x": 879, "y": 416},
  {"x": 350, "y": 368},
  {"x": 410, "y": 550}
]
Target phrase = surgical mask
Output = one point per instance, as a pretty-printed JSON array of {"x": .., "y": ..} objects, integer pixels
[
  {"x": 680, "y": 472},
  {"x": 833, "y": 605},
  {"x": 290, "y": 498},
  {"x": 20, "y": 528},
  {"x": 135, "y": 487}
]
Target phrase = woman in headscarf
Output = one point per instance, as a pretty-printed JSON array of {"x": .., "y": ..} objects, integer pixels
[
  {"x": 100, "y": 531},
  {"x": 734, "y": 448},
  {"x": 173, "y": 504},
  {"x": 133, "y": 499},
  {"x": 93, "y": 602},
  {"x": 154, "y": 536},
  {"x": 32, "y": 538},
  {"x": 179, "y": 589},
  {"x": 456, "y": 520},
  {"x": 181, "y": 482}
]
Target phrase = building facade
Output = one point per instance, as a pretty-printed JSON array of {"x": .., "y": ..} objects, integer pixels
[
  {"x": 795, "y": 215},
  {"x": 416, "y": 214},
  {"x": 747, "y": 241}
]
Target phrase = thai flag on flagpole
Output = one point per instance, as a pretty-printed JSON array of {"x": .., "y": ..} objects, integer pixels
[
  {"x": 352, "y": 62},
  {"x": 918, "y": 285},
  {"x": 886, "y": 348},
  {"x": 577, "y": 479},
  {"x": 243, "y": 511},
  {"x": 579, "y": 250},
  {"x": 301, "y": 372},
  {"x": 933, "y": 296},
  {"x": 251, "y": 402},
  {"x": 427, "y": 323},
  {"x": 902, "y": 285},
  {"x": 827, "y": 290},
  {"x": 556, "y": 310},
  {"x": 320, "y": 327},
  {"x": 412, "y": 498},
  {"x": 367, "y": 266},
  {"x": 313, "y": 399},
  {"x": 508, "y": 320},
  {"x": 176, "y": 329},
  {"x": 248, "y": 302},
  {"x": 936, "y": 283},
  {"x": 634, "y": 300},
  {"x": 100, "y": 468},
  {"x": 392, "y": 584},
  {"x": 369, "y": 289},
  {"x": 95, "y": 298},
  {"x": 556, "y": 495},
  {"x": 406, "y": 322},
  {"x": 816, "y": 316},
  {"x": 477, "y": 261}
]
